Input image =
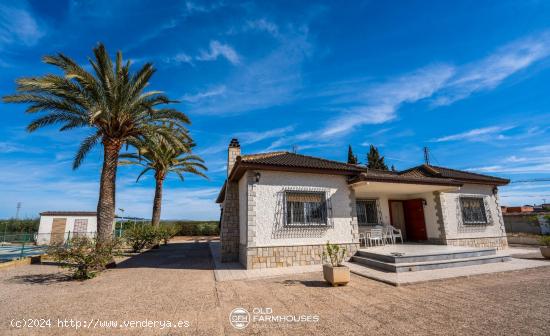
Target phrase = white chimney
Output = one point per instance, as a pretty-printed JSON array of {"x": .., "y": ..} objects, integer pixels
[{"x": 233, "y": 151}]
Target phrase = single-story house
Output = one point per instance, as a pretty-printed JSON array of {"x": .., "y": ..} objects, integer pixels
[
  {"x": 280, "y": 208},
  {"x": 57, "y": 226}
]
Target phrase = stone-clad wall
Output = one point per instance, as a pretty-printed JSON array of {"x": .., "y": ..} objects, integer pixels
[
  {"x": 498, "y": 242},
  {"x": 229, "y": 233},
  {"x": 283, "y": 256}
]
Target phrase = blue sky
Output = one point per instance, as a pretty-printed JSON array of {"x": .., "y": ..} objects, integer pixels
[{"x": 468, "y": 79}]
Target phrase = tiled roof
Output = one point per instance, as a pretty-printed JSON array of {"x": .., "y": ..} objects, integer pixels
[
  {"x": 68, "y": 213},
  {"x": 423, "y": 174},
  {"x": 460, "y": 175},
  {"x": 287, "y": 159}
]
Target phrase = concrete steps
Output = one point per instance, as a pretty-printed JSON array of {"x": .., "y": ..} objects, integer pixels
[{"x": 428, "y": 261}]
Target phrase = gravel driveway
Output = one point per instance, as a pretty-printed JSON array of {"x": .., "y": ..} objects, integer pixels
[{"x": 176, "y": 283}]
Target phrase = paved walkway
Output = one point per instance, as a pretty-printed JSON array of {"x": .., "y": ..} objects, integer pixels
[{"x": 177, "y": 283}]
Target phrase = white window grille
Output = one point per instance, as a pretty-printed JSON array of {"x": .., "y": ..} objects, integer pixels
[
  {"x": 305, "y": 208},
  {"x": 473, "y": 210},
  {"x": 367, "y": 212}
]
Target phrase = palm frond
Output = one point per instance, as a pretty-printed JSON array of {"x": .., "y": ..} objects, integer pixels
[{"x": 84, "y": 148}]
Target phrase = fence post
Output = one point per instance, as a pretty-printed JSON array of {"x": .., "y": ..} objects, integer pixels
[{"x": 22, "y": 251}]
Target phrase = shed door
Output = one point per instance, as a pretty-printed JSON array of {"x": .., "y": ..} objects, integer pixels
[{"x": 58, "y": 230}]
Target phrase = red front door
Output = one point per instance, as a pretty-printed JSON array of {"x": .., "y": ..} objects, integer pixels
[{"x": 414, "y": 219}]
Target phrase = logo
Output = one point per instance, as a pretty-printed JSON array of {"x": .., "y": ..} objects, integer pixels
[{"x": 239, "y": 318}]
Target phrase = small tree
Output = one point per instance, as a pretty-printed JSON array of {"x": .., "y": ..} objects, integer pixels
[
  {"x": 83, "y": 256},
  {"x": 352, "y": 159},
  {"x": 374, "y": 160}
]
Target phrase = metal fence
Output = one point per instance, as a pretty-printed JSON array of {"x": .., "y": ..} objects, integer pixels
[{"x": 48, "y": 238}]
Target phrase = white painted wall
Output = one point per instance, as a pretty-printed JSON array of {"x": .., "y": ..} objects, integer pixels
[
  {"x": 45, "y": 227},
  {"x": 269, "y": 230},
  {"x": 243, "y": 202},
  {"x": 451, "y": 213}
]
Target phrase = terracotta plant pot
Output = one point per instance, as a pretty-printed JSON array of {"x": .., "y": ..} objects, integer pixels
[
  {"x": 545, "y": 251},
  {"x": 338, "y": 275}
]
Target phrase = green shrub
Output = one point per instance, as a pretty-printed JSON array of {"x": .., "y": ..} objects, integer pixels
[
  {"x": 166, "y": 232},
  {"x": 141, "y": 236},
  {"x": 13, "y": 225},
  {"x": 84, "y": 256},
  {"x": 334, "y": 254},
  {"x": 545, "y": 240},
  {"x": 195, "y": 228}
]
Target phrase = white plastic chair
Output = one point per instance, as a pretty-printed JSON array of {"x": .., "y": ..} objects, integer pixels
[
  {"x": 395, "y": 233},
  {"x": 362, "y": 237},
  {"x": 375, "y": 237},
  {"x": 387, "y": 232}
]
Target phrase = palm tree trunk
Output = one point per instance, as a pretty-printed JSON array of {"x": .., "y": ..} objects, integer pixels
[
  {"x": 157, "y": 202},
  {"x": 107, "y": 185}
]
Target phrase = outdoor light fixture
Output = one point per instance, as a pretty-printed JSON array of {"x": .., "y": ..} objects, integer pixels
[
  {"x": 424, "y": 202},
  {"x": 258, "y": 175}
]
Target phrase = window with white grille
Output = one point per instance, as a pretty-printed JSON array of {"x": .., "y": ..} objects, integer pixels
[
  {"x": 367, "y": 212},
  {"x": 306, "y": 208},
  {"x": 473, "y": 210}
]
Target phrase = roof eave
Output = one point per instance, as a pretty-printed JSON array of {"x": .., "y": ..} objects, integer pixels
[{"x": 446, "y": 182}]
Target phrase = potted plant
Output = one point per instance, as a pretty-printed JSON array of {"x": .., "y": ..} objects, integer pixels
[
  {"x": 545, "y": 248},
  {"x": 334, "y": 272}
]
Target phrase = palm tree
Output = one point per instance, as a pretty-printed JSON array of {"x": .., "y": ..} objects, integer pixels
[
  {"x": 156, "y": 155},
  {"x": 109, "y": 100}
]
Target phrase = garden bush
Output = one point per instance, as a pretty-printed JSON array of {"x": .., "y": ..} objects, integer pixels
[
  {"x": 195, "y": 228},
  {"x": 166, "y": 232},
  {"x": 84, "y": 256},
  {"x": 142, "y": 236}
]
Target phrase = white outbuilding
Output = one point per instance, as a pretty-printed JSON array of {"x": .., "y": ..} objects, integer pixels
[{"x": 57, "y": 226}]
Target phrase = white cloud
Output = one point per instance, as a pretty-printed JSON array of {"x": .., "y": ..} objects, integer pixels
[
  {"x": 475, "y": 134},
  {"x": 180, "y": 58},
  {"x": 253, "y": 137},
  {"x": 194, "y": 98},
  {"x": 17, "y": 26},
  {"x": 218, "y": 49},
  {"x": 272, "y": 80},
  {"x": 247, "y": 138},
  {"x": 380, "y": 103},
  {"x": 443, "y": 83},
  {"x": 540, "y": 148},
  {"x": 488, "y": 73},
  {"x": 514, "y": 165},
  {"x": 263, "y": 25},
  {"x": 192, "y": 7}
]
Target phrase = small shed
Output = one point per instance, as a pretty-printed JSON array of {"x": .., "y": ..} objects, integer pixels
[{"x": 57, "y": 226}]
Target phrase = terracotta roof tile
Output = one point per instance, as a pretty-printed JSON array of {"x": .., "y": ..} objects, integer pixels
[
  {"x": 443, "y": 172},
  {"x": 287, "y": 159}
]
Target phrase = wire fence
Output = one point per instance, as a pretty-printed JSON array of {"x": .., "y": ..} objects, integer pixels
[{"x": 22, "y": 245}]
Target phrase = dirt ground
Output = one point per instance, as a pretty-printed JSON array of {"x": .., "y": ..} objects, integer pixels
[{"x": 176, "y": 283}]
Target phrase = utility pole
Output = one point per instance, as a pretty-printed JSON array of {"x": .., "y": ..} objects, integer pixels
[
  {"x": 427, "y": 156},
  {"x": 18, "y": 209}
]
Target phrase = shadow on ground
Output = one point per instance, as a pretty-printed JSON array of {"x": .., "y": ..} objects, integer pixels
[
  {"x": 40, "y": 279},
  {"x": 307, "y": 283},
  {"x": 179, "y": 255}
]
